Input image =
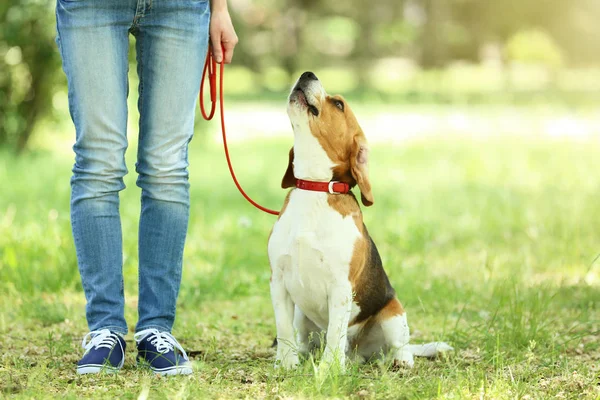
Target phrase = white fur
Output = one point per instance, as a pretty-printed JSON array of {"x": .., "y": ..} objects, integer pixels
[
  {"x": 311, "y": 162},
  {"x": 396, "y": 335}
]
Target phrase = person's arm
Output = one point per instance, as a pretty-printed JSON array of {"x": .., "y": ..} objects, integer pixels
[{"x": 222, "y": 32}]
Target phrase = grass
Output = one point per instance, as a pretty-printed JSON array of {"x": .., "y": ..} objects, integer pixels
[{"x": 490, "y": 244}]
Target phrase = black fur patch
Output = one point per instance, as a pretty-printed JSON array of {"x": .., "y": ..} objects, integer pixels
[{"x": 375, "y": 290}]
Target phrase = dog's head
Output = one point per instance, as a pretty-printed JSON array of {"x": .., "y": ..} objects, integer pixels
[{"x": 328, "y": 142}]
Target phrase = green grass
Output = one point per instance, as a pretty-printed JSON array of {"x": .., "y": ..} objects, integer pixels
[{"x": 490, "y": 244}]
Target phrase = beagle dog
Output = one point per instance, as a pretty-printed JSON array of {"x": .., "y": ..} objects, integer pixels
[{"x": 326, "y": 273}]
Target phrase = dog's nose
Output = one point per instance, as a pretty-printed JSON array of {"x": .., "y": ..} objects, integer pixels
[{"x": 308, "y": 76}]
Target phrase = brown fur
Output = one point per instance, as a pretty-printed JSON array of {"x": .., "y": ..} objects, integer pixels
[
  {"x": 391, "y": 309},
  {"x": 346, "y": 205}
]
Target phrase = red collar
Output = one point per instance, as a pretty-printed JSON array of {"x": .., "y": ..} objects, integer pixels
[{"x": 333, "y": 187}]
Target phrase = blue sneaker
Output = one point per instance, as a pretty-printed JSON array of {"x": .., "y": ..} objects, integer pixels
[
  {"x": 105, "y": 352},
  {"x": 162, "y": 353}
]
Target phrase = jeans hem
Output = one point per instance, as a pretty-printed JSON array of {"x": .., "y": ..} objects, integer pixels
[
  {"x": 113, "y": 328},
  {"x": 158, "y": 327}
]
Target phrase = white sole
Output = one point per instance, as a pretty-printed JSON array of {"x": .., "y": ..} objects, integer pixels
[
  {"x": 96, "y": 369},
  {"x": 174, "y": 371},
  {"x": 185, "y": 369}
]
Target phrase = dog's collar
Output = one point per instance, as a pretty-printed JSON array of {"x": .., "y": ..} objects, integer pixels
[{"x": 333, "y": 187}]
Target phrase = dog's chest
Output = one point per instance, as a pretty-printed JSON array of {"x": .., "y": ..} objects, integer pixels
[{"x": 312, "y": 244}]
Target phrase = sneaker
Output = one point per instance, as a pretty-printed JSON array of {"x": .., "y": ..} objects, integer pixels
[
  {"x": 104, "y": 352},
  {"x": 162, "y": 353}
]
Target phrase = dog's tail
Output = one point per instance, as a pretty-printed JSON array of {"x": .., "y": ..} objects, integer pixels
[{"x": 429, "y": 350}]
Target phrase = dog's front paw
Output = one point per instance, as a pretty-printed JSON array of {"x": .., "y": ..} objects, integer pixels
[
  {"x": 403, "y": 359},
  {"x": 290, "y": 361}
]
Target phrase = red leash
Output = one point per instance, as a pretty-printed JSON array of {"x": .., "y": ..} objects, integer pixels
[{"x": 210, "y": 67}]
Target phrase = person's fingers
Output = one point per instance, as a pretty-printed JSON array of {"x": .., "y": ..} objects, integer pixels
[
  {"x": 215, "y": 39},
  {"x": 229, "y": 46}
]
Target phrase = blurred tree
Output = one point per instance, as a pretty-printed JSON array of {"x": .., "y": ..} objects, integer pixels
[
  {"x": 434, "y": 41},
  {"x": 574, "y": 25},
  {"x": 28, "y": 63},
  {"x": 368, "y": 17}
]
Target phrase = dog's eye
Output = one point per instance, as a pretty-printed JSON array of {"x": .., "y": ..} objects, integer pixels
[{"x": 339, "y": 104}]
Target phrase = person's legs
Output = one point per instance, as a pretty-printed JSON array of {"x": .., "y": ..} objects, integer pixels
[
  {"x": 93, "y": 41},
  {"x": 171, "y": 43}
]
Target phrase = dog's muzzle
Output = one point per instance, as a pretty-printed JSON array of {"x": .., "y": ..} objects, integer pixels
[{"x": 300, "y": 92}]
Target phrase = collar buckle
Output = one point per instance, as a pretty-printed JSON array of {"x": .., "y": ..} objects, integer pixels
[{"x": 330, "y": 187}]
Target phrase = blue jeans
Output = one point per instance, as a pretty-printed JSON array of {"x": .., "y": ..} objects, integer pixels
[{"x": 171, "y": 44}]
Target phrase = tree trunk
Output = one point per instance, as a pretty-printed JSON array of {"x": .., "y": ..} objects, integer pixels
[{"x": 433, "y": 45}]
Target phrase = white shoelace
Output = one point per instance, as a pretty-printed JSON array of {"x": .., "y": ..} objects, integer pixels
[
  {"x": 163, "y": 341},
  {"x": 101, "y": 338}
]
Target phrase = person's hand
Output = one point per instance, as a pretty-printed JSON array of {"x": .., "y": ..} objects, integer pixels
[{"x": 222, "y": 33}]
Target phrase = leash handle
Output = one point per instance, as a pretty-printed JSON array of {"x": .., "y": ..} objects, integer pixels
[{"x": 210, "y": 70}]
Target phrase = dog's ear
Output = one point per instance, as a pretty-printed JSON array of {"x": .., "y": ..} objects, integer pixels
[
  {"x": 359, "y": 166},
  {"x": 289, "y": 180}
]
